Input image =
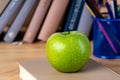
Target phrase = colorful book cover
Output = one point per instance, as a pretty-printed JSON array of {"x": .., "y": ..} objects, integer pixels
[
  {"x": 9, "y": 12},
  {"x": 74, "y": 14},
  {"x": 53, "y": 19},
  {"x": 37, "y": 20},
  {"x": 19, "y": 21}
]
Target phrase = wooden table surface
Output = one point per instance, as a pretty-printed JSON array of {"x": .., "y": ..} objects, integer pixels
[{"x": 10, "y": 54}]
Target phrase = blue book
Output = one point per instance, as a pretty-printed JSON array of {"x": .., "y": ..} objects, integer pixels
[
  {"x": 19, "y": 20},
  {"x": 75, "y": 10},
  {"x": 9, "y": 12}
]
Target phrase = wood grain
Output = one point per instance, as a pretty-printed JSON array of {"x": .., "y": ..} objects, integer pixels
[{"x": 10, "y": 54}]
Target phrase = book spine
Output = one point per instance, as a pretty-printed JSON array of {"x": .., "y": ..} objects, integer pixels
[
  {"x": 85, "y": 22},
  {"x": 74, "y": 15},
  {"x": 53, "y": 19},
  {"x": 19, "y": 20},
  {"x": 9, "y": 12},
  {"x": 37, "y": 20}
]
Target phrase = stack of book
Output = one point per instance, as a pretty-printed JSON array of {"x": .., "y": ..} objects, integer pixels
[{"x": 46, "y": 19}]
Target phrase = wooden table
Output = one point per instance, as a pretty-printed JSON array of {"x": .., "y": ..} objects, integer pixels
[{"x": 10, "y": 54}]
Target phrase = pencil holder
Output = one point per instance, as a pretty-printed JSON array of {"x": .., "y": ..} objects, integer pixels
[{"x": 106, "y": 38}]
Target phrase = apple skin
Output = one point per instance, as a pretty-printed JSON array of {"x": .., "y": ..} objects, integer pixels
[{"x": 68, "y": 51}]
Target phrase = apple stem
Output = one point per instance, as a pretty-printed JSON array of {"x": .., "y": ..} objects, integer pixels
[{"x": 68, "y": 32}]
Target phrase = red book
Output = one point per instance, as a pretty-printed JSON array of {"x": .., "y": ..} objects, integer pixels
[
  {"x": 53, "y": 19},
  {"x": 37, "y": 20}
]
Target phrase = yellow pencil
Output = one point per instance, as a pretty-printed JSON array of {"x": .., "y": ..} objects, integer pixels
[{"x": 91, "y": 12}]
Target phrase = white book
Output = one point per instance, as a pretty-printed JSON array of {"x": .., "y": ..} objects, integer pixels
[
  {"x": 40, "y": 69},
  {"x": 85, "y": 22}
]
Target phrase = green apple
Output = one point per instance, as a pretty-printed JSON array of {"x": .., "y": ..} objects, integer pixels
[{"x": 68, "y": 51}]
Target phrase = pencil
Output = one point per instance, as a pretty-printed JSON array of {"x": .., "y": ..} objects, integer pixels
[
  {"x": 115, "y": 8},
  {"x": 91, "y": 12},
  {"x": 109, "y": 9},
  {"x": 103, "y": 30},
  {"x": 94, "y": 9}
]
